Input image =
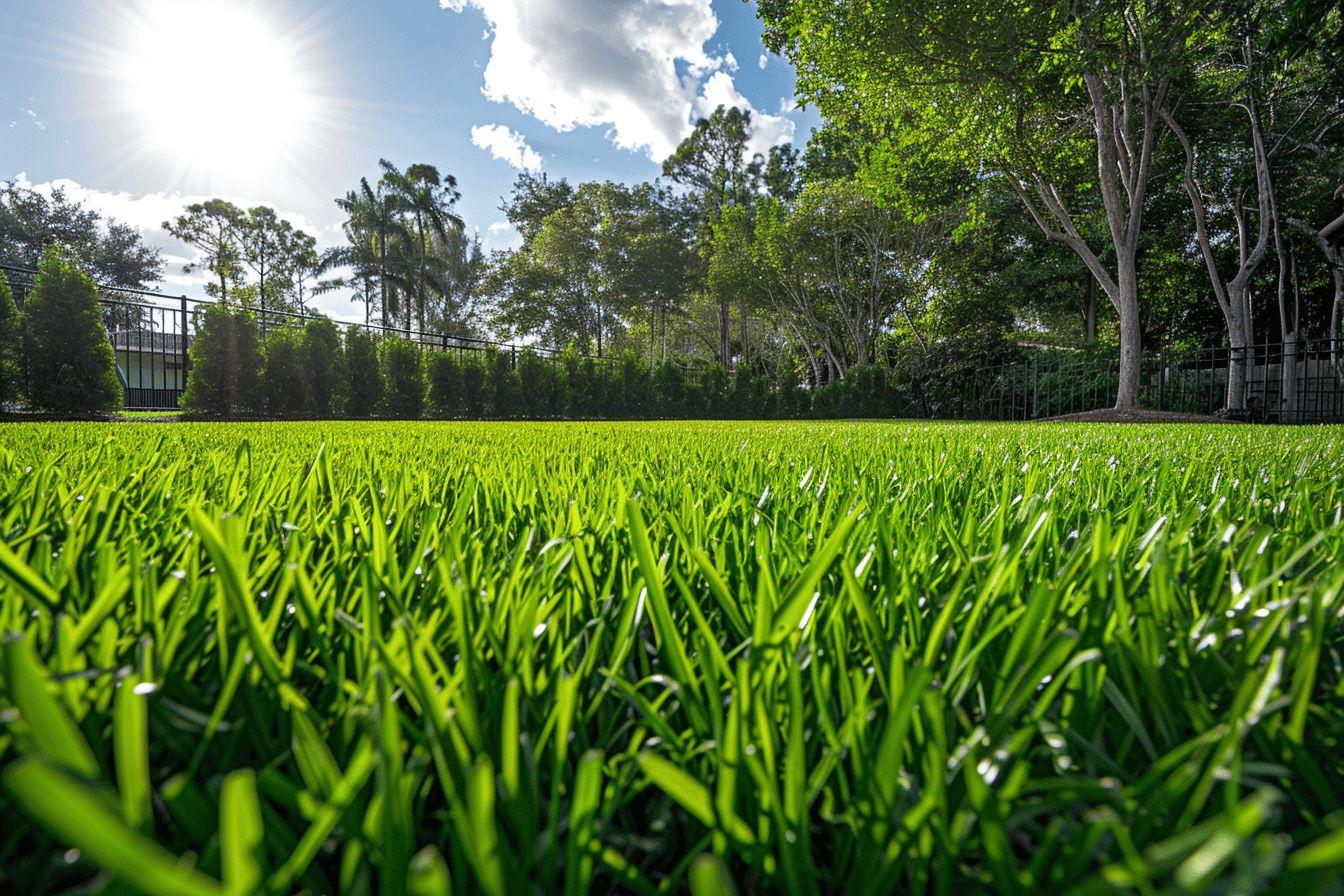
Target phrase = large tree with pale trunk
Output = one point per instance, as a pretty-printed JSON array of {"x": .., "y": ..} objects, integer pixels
[{"x": 1059, "y": 100}]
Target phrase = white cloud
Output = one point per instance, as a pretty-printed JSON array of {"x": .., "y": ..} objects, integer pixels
[
  {"x": 763, "y": 61},
  {"x": 637, "y": 67},
  {"x": 507, "y": 145}
]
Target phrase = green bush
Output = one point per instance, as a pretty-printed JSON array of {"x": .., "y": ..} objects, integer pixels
[
  {"x": 71, "y": 368},
  {"x": 504, "y": 390},
  {"x": 285, "y": 381},
  {"x": 445, "y": 386},
  {"x": 629, "y": 387},
  {"x": 792, "y": 401},
  {"x": 324, "y": 361},
  {"x": 11, "y": 345},
  {"x": 225, "y": 370},
  {"x": 537, "y": 384},
  {"x": 669, "y": 390},
  {"x": 363, "y": 373},
  {"x": 404, "y": 378},
  {"x": 713, "y": 391},
  {"x": 869, "y": 393},
  {"x": 477, "y": 396}
]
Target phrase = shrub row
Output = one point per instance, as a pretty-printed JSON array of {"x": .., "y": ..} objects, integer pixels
[
  {"x": 56, "y": 354},
  {"x": 317, "y": 371}
]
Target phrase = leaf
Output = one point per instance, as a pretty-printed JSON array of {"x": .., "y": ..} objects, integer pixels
[
  {"x": 78, "y": 815},
  {"x": 241, "y": 837},
  {"x": 52, "y": 732}
]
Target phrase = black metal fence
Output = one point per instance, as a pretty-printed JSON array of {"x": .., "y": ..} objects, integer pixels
[
  {"x": 1290, "y": 383},
  {"x": 1300, "y": 382},
  {"x": 151, "y": 338}
]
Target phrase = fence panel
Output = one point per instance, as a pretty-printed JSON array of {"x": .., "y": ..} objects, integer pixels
[{"x": 151, "y": 338}]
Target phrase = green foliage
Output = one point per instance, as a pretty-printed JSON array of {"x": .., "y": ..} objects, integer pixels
[
  {"x": 110, "y": 251},
  {"x": 226, "y": 363},
  {"x": 672, "y": 657},
  {"x": 477, "y": 389},
  {"x": 537, "y": 386},
  {"x": 324, "y": 363},
  {"x": 67, "y": 354},
  {"x": 671, "y": 397},
  {"x": 11, "y": 345},
  {"x": 286, "y": 380},
  {"x": 503, "y": 387},
  {"x": 446, "y": 386},
  {"x": 364, "y": 374},
  {"x": 404, "y": 378}
]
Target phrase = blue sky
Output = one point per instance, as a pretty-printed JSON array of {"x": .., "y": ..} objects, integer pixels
[{"x": 139, "y": 105}]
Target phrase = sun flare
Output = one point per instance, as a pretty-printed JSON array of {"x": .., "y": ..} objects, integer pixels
[{"x": 218, "y": 88}]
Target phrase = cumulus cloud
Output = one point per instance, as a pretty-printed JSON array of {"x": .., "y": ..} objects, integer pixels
[
  {"x": 507, "y": 145},
  {"x": 636, "y": 67}
]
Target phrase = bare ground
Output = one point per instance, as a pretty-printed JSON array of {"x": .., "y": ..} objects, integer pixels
[{"x": 1110, "y": 415}]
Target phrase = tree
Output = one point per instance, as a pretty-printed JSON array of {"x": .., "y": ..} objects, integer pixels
[
  {"x": 71, "y": 368},
  {"x": 427, "y": 198},
  {"x": 587, "y": 265},
  {"x": 11, "y": 345},
  {"x": 213, "y": 228},
  {"x": 374, "y": 230},
  {"x": 783, "y": 173},
  {"x": 286, "y": 383},
  {"x": 1025, "y": 90},
  {"x": 113, "y": 253},
  {"x": 712, "y": 162}
]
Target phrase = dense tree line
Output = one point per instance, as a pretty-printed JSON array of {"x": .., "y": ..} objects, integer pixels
[
  {"x": 1171, "y": 149},
  {"x": 110, "y": 251}
]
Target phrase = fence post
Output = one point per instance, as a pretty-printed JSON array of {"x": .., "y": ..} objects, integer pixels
[
  {"x": 1035, "y": 388},
  {"x": 1162, "y": 379},
  {"x": 186, "y": 344}
]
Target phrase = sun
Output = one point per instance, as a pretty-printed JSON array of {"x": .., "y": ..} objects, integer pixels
[{"x": 218, "y": 88}]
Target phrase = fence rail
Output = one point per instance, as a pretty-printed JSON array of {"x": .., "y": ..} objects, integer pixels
[
  {"x": 151, "y": 336},
  {"x": 1294, "y": 382},
  {"x": 1300, "y": 382}
]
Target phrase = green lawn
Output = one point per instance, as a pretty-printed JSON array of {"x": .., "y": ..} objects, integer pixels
[{"x": 801, "y": 657}]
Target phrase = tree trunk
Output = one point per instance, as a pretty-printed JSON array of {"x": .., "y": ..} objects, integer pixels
[
  {"x": 1238, "y": 357},
  {"x": 725, "y": 350},
  {"x": 1090, "y": 312},
  {"x": 1131, "y": 339},
  {"x": 1288, "y": 327},
  {"x": 742, "y": 315}
]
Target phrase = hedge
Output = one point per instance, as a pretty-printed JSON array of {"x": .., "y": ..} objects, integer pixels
[{"x": 318, "y": 371}]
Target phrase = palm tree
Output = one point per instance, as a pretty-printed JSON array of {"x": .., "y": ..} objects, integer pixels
[
  {"x": 427, "y": 197},
  {"x": 373, "y": 228}
]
